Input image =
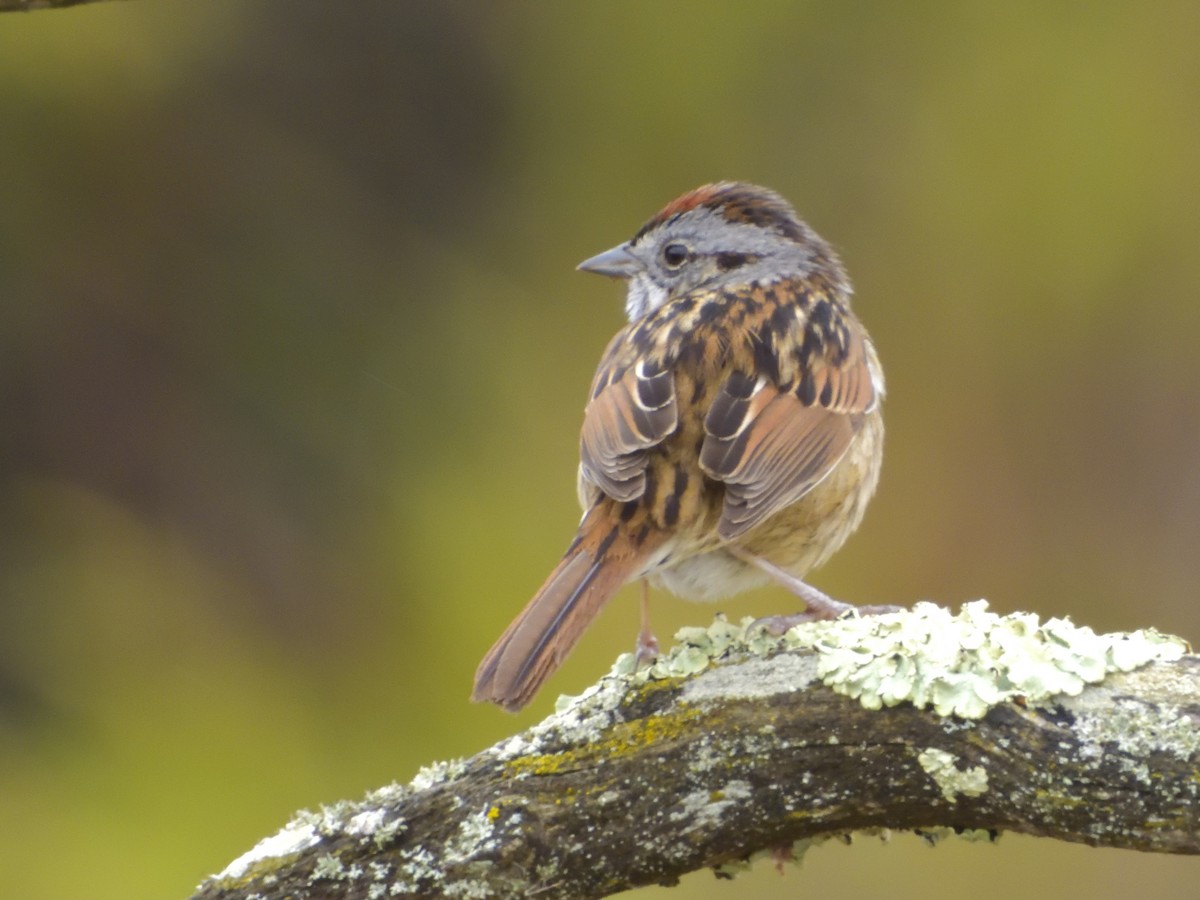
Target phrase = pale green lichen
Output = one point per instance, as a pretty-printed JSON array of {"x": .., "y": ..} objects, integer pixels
[
  {"x": 959, "y": 664},
  {"x": 369, "y": 821},
  {"x": 419, "y": 864},
  {"x": 1129, "y": 725},
  {"x": 373, "y": 819},
  {"x": 943, "y": 768},
  {"x": 964, "y": 664},
  {"x": 704, "y": 808},
  {"x": 436, "y": 773},
  {"x": 387, "y": 832},
  {"x": 284, "y": 845},
  {"x": 328, "y": 868},
  {"x": 476, "y": 834}
]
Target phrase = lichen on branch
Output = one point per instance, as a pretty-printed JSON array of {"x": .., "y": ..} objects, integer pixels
[{"x": 736, "y": 742}]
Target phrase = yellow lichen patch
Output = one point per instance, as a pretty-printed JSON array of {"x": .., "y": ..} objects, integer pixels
[
  {"x": 655, "y": 730},
  {"x": 544, "y": 763},
  {"x": 614, "y": 741}
]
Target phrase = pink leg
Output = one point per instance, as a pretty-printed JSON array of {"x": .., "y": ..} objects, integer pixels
[
  {"x": 818, "y": 605},
  {"x": 647, "y": 643}
]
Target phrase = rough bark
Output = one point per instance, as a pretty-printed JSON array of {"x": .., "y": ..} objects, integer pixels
[{"x": 646, "y": 779}]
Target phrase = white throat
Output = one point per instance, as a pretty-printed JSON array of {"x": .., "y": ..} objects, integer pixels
[{"x": 644, "y": 296}]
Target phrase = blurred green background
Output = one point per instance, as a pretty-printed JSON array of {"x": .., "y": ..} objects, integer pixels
[{"x": 293, "y": 358}]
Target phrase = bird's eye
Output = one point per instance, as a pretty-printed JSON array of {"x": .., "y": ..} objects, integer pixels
[{"x": 675, "y": 255}]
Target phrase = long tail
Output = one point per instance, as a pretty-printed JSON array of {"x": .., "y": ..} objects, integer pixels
[{"x": 605, "y": 555}]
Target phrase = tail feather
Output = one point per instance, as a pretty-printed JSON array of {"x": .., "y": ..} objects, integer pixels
[{"x": 602, "y": 558}]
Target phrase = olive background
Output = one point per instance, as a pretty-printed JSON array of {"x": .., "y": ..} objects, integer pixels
[{"x": 293, "y": 359}]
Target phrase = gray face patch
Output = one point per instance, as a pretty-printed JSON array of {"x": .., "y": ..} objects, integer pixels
[{"x": 718, "y": 253}]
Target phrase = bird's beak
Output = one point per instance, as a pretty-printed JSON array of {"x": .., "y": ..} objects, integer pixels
[{"x": 618, "y": 262}]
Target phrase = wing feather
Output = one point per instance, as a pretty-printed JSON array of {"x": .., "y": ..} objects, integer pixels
[
  {"x": 770, "y": 445},
  {"x": 628, "y": 414}
]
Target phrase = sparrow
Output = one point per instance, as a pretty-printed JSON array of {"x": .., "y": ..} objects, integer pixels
[{"x": 732, "y": 435}]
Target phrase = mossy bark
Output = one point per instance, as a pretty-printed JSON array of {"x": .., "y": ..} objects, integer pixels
[{"x": 668, "y": 784}]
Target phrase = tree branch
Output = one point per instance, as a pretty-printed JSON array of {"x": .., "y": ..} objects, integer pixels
[{"x": 736, "y": 744}]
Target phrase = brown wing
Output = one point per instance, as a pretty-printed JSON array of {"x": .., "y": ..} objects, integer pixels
[
  {"x": 771, "y": 446},
  {"x": 633, "y": 407}
]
